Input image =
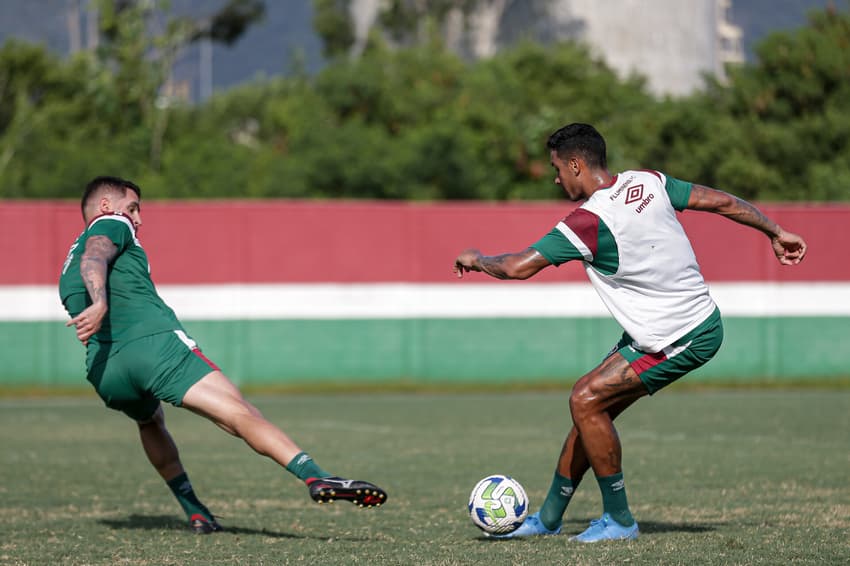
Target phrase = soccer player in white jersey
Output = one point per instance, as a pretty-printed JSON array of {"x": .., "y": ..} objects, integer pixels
[{"x": 640, "y": 261}]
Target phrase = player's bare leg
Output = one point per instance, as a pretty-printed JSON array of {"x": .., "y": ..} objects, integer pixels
[
  {"x": 573, "y": 462},
  {"x": 163, "y": 455},
  {"x": 596, "y": 399},
  {"x": 218, "y": 399},
  {"x": 159, "y": 446}
]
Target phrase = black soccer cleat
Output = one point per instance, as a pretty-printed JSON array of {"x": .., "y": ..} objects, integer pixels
[
  {"x": 203, "y": 525},
  {"x": 361, "y": 493}
]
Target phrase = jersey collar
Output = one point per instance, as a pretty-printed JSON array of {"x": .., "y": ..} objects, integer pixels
[{"x": 120, "y": 216}]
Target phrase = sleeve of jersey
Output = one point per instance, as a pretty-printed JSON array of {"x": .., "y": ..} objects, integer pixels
[
  {"x": 575, "y": 237},
  {"x": 679, "y": 192},
  {"x": 116, "y": 229}
]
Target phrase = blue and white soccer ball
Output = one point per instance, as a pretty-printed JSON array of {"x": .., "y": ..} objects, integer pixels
[{"x": 498, "y": 504}]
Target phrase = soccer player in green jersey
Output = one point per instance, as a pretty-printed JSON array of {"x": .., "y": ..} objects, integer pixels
[
  {"x": 640, "y": 261},
  {"x": 138, "y": 354}
]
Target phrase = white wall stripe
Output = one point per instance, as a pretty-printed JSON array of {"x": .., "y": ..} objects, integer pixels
[{"x": 453, "y": 300}]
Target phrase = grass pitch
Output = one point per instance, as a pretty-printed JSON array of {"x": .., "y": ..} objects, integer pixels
[{"x": 714, "y": 477}]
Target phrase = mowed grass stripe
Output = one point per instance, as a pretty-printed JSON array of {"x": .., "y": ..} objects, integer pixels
[{"x": 714, "y": 477}]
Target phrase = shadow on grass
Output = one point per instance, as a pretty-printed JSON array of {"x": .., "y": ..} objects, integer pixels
[
  {"x": 168, "y": 522},
  {"x": 665, "y": 527},
  {"x": 573, "y": 527}
]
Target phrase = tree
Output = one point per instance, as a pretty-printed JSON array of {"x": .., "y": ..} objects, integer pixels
[
  {"x": 780, "y": 129},
  {"x": 54, "y": 118},
  {"x": 143, "y": 60},
  {"x": 332, "y": 22},
  {"x": 417, "y": 121},
  {"x": 231, "y": 21},
  {"x": 64, "y": 122}
]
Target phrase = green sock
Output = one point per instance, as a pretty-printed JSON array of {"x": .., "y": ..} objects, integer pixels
[
  {"x": 181, "y": 487},
  {"x": 614, "y": 500},
  {"x": 304, "y": 468},
  {"x": 560, "y": 493}
]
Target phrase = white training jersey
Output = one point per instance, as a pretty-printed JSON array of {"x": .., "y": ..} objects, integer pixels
[{"x": 637, "y": 256}]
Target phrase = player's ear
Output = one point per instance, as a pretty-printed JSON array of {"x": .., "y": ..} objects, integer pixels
[
  {"x": 575, "y": 165},
  {"x": 105, "y": 204}
]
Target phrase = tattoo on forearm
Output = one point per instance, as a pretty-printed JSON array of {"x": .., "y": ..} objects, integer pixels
[
  {"x": 749, "y": 215},
  {"x": 494, "y": 265},
  {"x": 94, "y": 264}
]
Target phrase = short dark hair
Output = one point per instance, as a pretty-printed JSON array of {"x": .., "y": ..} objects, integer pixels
[
  {"x": 582, "y": 140},
  {"x": 105, "y": 181}
]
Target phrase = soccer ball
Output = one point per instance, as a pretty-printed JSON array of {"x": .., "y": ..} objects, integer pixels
[{"x": 498, "y": 504}]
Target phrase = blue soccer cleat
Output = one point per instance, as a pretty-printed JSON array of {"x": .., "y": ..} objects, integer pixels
[
  {"x": 606, "y": 528},
  {"x": 531, "y": 527}
]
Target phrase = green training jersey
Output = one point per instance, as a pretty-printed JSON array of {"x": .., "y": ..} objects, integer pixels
[{"x": 135, "y": 308}]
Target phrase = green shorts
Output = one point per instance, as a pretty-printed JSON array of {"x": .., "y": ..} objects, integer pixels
[
  {"x": 145, "y": 371},
  {"x": 686, "y": 354}
]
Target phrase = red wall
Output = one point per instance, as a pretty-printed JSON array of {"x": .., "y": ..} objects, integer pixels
[{"x": 298, "y": 242}]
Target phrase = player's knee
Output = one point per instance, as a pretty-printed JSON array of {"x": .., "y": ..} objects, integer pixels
[
  {"x": 238, "y": 418},
  {"x": 583, "y": 400},
  {"x": 577, "y": 400}
]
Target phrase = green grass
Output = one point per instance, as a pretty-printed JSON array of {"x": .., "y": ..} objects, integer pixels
[{"x": 714, "y": 477}]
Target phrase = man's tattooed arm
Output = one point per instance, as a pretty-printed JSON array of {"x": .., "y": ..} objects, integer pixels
[
  {"x": 790, "y": 249},
  {"x": 732, "y": 207},
  {"x": 494, "y": 265},
  {"x": 94, "y": 266},
  {"x": 520, "y": 265}
]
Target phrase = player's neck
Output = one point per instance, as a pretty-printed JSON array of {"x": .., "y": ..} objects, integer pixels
[{"x": 598, "y": 179}]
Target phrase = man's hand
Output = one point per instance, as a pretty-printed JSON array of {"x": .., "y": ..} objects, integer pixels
[
  {"x": 88, "y": 322},
  {"x": 467, "y": 261},
  {"x": 790, "y": 249}
]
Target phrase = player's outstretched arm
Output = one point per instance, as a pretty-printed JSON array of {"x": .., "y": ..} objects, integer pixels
[
  {"x": 99, "y": 253},
  {"x": 520, "y": 265},
  {"x": 788, "y": 247}
]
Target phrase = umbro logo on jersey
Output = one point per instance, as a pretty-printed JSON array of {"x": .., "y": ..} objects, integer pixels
[
  {"x": 644, "y": 202},
  {"x": 634, "y": 194}
]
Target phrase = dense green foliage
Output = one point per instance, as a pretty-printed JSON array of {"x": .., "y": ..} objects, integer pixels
[
  {"x": 780, "y": 130},
  {"x": 418, "y": 122}
]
